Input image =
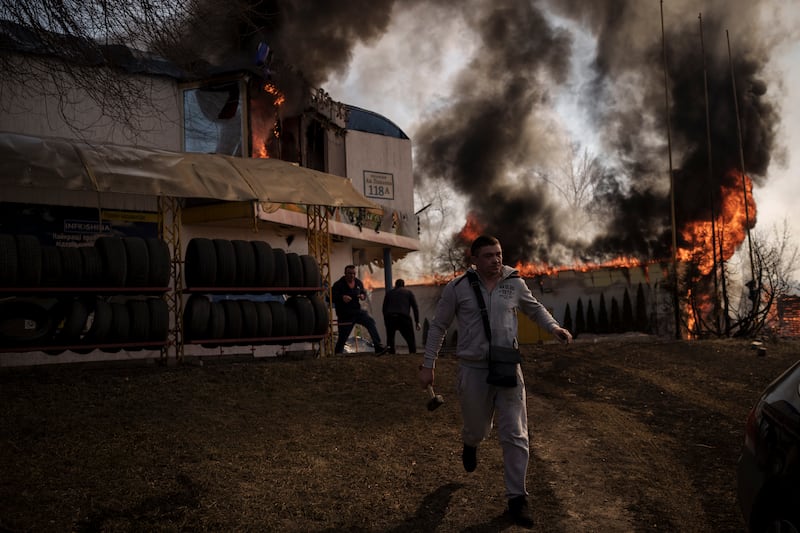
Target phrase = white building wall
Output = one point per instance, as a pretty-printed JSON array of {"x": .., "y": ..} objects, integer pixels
[
  {"x": 49, "y": 107},
  {"x": 368, "y": 152}
]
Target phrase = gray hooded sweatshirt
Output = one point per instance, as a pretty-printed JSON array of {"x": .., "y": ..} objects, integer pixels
[{"x": 458, "y": 302}]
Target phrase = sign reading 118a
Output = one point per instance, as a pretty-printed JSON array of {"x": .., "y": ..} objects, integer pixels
[{"x": 378, "y": 185}]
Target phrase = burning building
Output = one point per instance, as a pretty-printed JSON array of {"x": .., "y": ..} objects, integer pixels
[{"x": 232, "y": 154}]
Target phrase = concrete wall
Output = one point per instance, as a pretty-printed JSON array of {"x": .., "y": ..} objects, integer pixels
[{"x": 555, "y": 292}]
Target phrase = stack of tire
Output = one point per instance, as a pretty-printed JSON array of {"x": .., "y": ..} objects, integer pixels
[
  {"x": 237, "y": 268},
  {"x": 113, "y": 262},
  {"x": 88, "y": 313}
]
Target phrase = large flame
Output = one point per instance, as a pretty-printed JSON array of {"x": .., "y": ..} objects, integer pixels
[{"x": 731, "y": 224}]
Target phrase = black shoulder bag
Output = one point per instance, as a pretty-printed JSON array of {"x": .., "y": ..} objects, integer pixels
[{"x": 503, "y": 361}]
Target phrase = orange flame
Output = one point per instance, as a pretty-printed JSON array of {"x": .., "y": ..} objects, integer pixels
[
  {"x": 260, "y": 151},
  {"x": 732, "y": 223},
  {"x": 368, "y": 281},
  {"x": 691, "y": 319},
  {"x": 472, "y": 229},
  {"x": 531, "y": 269},
  {"x": 262, "y": 132},
  {"x": 274, "y": 91},
  {"x": 429, "y": 280}
]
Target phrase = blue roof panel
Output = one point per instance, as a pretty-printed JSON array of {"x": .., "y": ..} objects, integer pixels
[{"x": 368, "y": 121}]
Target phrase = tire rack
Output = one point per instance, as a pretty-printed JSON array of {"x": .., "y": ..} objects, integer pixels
[
  {"x": 33, "y": 291},
  {"x": 319, "y": 247},
  {"x": 280, "y": 340},
  {"x": 169, "y": 214},
  {"x": 169, "y": 211}
]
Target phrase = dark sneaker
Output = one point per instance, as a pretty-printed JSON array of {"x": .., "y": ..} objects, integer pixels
[
  {"x": 469, "y": 457},
  {"x": 520, "y": 512},
  {"x": 381, "y": 350}
]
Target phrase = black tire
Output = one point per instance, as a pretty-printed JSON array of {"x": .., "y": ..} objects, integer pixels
[
  {"x": 195, "y": 317},
  {"x": 216, "y": 324},
  {"x": 304, "y": 311},
  {"x": 138, "y": 261},
  {"x": 280, "y": 276},
  {"x": 321, "y": 314},
  {"x": 91, "y": 266},
  {"x": 312, "y": 277},
  {"x": 27, "y": 321},
  {"x": 29, "y": 261},
  {"x": 295, "y": 267},
  {"x": 292, "y": 324},
  {"x": 139, "y": 313},
  {"x": 249, "y": 319},
  {"x": 8, "y": 260},
  {"x": 100, "y": 327},
  {"x": 233, "y": 320},
  {"x": 278, "y": 319},
  {"x": 71, "y": 266},
  {"x": 200, "y": 267},
  {"x": 159, "y": 319},
  {"x": 265, "y": 264},
  {"x": 264, "y": 319},
  {"x": 159, "y": 268},
  {"x": 120, "y": 326},
  {"x": 226, "y": 263},
  {"x": 115, "y": 261},
  {"x": 245, "y": 263},
  {"x": 75, "y": 318},
  {"x": 51, "y": 267}
]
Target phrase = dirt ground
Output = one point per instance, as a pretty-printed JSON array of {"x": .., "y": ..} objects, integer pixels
[{"x": 628, "y": 434}]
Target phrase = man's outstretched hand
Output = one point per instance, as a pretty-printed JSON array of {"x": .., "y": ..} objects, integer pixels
[{"x": 563, "y": 335}]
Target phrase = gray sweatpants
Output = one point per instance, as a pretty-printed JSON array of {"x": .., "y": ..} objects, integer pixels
[{"x": 480, "y": 404}]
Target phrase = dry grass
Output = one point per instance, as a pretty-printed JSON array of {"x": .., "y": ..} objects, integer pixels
[{"x": 627, "y": 434}]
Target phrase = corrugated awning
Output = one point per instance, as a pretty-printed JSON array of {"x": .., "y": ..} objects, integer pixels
[{"x": 61, "y": 164}]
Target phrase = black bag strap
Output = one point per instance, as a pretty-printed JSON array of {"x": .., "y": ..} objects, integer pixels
[{"x": 476, "y": 286}]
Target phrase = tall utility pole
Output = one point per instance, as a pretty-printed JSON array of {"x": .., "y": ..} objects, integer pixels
[
  {"x": 675, "y": 295},
  {"x": 712, "y": 199},
  {"x": 752, "y": 284}
]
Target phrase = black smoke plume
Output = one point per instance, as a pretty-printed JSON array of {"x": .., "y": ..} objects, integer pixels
[
  {"x": 641, "y": 225},
  {"x": 487, "y": 140}
]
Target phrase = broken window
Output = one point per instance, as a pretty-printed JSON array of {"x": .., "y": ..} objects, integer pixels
[{"x": 212, "y": 119}]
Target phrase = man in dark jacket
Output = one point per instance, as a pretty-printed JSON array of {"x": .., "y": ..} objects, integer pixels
[
  {"x": 397, "y": 304},
  {"x": 347, "y": 293}
]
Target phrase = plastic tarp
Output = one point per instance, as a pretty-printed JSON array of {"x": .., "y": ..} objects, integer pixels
[{"x": 61, "y": 164}]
